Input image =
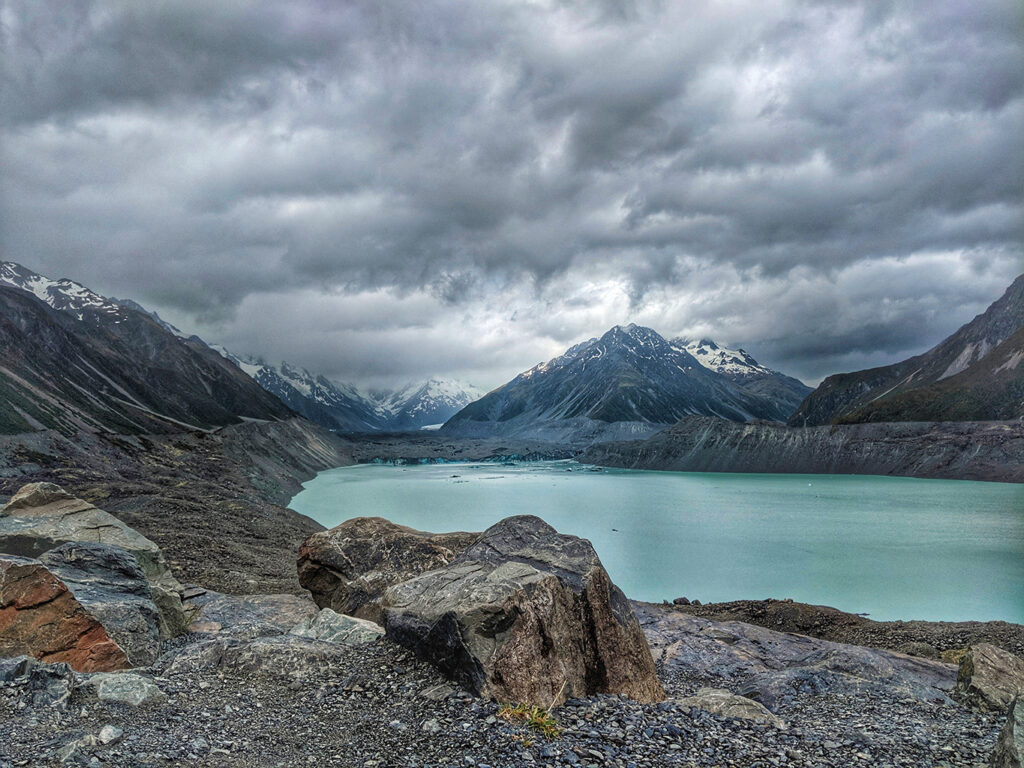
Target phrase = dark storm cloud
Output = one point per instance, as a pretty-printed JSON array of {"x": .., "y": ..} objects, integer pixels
[{"x": 687, "y": 164}]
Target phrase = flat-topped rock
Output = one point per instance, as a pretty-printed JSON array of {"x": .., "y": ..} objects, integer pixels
[
  {"x": 40, "y": 617},
  {"x": 349, "y": 567},
  {"x": 719, "y": 701},
  {"x": 772, "y": 667},
  {"x": 248, "y": 615},
  {"x": 525, "y": 614},
  {"x": 42, "y": 516}
]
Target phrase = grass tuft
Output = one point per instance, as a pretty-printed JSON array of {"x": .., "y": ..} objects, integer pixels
[{"x": 537, "y": 718}]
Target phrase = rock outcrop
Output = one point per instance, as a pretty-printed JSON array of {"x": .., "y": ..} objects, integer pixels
[
  {"x": 525, "y": 614},
  {"x": 40, "y": 617},
  {"x": 125, "y": 688},
  {"x": 42, "y": 516},
  {"x": 348, "y": 568},
  {"x": 774, "y": 667},
  {"x": 108, "y": 582},
  {"x": 1009, "y": 751},
  {"x": 989, "y": 678}
]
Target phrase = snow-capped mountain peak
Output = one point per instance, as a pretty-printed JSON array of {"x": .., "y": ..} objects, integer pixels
[
  {"x": 65, "y": 295},
  {"x": 730, "y": 362}
]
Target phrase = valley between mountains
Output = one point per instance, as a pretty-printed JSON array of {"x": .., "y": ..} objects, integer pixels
[{"x": 191, "y": 618}]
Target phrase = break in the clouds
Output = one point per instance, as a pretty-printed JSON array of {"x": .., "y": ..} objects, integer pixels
[{"x": 381, "y": 191}]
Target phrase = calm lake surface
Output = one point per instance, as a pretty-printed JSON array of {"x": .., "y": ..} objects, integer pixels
[{"x": 894, "y": 548}]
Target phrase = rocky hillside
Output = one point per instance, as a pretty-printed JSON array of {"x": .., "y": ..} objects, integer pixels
[
  {"x": 472, "y": 622},
  {"x": 631, "y": 381},
  {"x": 960, "y": 450},
  {"x": 74, "y": 361},
  {"x": 955, "y": 374}
]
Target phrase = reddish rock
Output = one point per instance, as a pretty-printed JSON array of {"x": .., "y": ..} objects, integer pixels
[{"x": 39, "y": 617}]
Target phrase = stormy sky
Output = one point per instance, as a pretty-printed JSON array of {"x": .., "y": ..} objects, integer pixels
[{"x": 386, "y": 190}]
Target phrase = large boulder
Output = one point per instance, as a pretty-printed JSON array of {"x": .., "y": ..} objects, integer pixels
[
  {"x": 525, "y": 614},
  {"x": 348, "y": 568},
  {"x": 109, "y": 583},
  {"x": 40, "y": 617},
  {"x": 989, "y": 678},
  {"x": 1009, "y": 751},
  {"x": 42, "y": 516}
]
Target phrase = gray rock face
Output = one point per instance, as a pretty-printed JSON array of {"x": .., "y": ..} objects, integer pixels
[
  {"x": 333, "y": 627},
  {"x": 248, "y": 615},
  {"x": 771, "y": 667},
  {"x": 280, "y": 656},
  {"x": 525, "y": 614},
  {"x": 348, "y": 568},
  {"x": 42, "y": 516},
  {"x": 1009, "y": 751},
  {"x": 719, "y": 701},
  {"x": 989, "y": 678},
  {"x": 110, "y": 584}
]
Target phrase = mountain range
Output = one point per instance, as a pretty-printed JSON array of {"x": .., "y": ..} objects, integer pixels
[
  {"x": 342, "y": 407},
  {"x": 75, "y": 360},
  {"x": 974, "y": 374},
  {"x": 629, "y": 382},
  {"x": 111, "y": 364}
]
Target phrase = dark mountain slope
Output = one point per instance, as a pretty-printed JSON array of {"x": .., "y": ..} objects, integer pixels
[
  {"x": 843, "y": 395},
  {"x": 99, "y": 370},
  {"x": 991, "y": 389}
]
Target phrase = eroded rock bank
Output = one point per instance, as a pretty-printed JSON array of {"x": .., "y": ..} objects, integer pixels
[
  {"x": 955, "y": 450},
  {"x": 931, "y": 639},
  {"x": 212, "y": 502}
]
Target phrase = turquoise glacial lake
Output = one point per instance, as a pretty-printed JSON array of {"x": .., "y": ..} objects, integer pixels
[{"x": 892, "y": 548}]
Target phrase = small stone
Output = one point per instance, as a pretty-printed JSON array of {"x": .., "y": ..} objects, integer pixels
[{"x": 110, "y": 734}]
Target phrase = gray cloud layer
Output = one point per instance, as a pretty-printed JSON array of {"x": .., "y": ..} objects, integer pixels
[{"x": 470, "y": 186}]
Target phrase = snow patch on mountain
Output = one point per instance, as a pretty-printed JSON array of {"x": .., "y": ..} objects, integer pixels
[
  {"x": 714, "y": 357},
  {"x": 64, "y": 295}
]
